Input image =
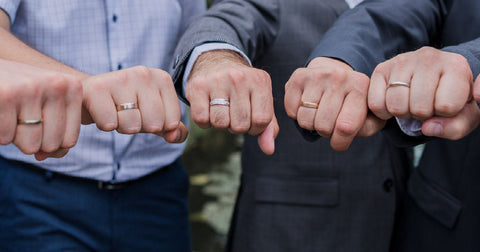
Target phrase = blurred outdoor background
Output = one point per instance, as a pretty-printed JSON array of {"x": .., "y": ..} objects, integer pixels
[{"x": 212, "y": 158}]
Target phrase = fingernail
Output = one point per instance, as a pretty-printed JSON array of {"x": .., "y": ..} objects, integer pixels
[
  {"x": 435, "y": 129},
  {"x": 179, "y": 136}
]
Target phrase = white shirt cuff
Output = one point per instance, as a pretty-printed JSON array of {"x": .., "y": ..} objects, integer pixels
[
  {"x": 410, "y": 127},
  {"x": 197, "y": 51},
  {"x": 353, "y": 3}
]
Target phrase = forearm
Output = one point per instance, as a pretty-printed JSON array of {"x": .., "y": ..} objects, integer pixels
[{"x": 14, "y": 49}]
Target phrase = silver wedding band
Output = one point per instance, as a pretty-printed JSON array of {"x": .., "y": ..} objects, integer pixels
[
  {"x": 219, "y": 102},
  {"x": 29, "y": 122},
  {"x": 399, "y": 83},
  {"x": 125, "y": 106},
  {"x": 311, "y": 105}
]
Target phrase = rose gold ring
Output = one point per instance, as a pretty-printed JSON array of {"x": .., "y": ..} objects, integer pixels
[
  {"x": 125, "y": 106},
  {"x": 309, "y": 105}
]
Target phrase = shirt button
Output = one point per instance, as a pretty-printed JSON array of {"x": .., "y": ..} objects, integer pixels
[
  {"x": 114, "y": 18},
  {"x": 388, "y": 185},
  {"x": 177, "y": 60}
]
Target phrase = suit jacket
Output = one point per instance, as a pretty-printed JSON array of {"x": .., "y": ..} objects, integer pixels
[
  {"x": 442, "y": 209},
  {"x": 305, "y": 197}
]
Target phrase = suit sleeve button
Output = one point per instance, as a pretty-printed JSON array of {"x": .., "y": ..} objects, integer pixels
[{"x": 388, "y": 185}]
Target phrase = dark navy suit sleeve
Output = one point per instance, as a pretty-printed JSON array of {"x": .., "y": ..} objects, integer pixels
[
  {"x": 250, "y": 25},
  {"x": 375, "y": 31},
  {"x": 378, "y": 30}
]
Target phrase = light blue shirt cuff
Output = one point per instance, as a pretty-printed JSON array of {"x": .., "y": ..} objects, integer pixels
[
  {"x": 197, "y": 51},
  {"x": 410, "y": 127}
]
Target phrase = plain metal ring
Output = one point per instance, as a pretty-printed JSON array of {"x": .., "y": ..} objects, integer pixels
[
  {"x": 399, "y": 83},
  {"x": 220, "y": 102},
  {"x": 29, "y": 122},
  {"x": 125, "y": 106}
]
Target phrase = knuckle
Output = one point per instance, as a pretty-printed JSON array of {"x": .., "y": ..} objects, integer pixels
[
  {"x": 298, "y": 78},
  {"x": 75, "y": 86},
  {"x": 29, "y": 149},
  {"x": 8, "y": 95},
  {"x": 58, "y": 88},
  {"x": 427, "y": 52},
  {"x": 200, "y": 118},
  {"x": 165, "y": 79},
  {"x": 240, "y": 127},
  {"x": 402, "y": 60},
  {"x": 122, "y": 78},
  {"x": 345, "y": 128},
  {"x": 107, "y": 126},
  {"x": 447, "y": 108},
  {"x": 143, "y": 72},
  {"x": 153, "y": 128},
  {"x": 376, "y": 106},
  {"x": 199, "y": 83},
  {"x": 69, "y": 142},
  {"x": 397, "y": 110},
  {"x": 323, "y": 129},
  {"x": 237, "y": 76},
  {"x": 261, "y": 119},
  {"x": 382, "y": 69},
  {"x": 130, "y": 130},
  {"x": 6, "y": 139},
  {"x": 305, "y": 124},
  {"x": 421, "y": 112},
  {"x": 50, "y": 147}
]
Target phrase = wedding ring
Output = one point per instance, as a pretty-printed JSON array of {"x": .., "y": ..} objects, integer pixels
[
  {"x": 221, "y": 102},
  {"x": 29, "y": 122},
  {"x": 125, "y": 106},
  {"x": 309, "y": 105},
  {"x": 399, "y": 83}
]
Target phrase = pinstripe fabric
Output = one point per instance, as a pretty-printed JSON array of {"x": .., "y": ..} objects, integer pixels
[{"x": 97, "y": 37}]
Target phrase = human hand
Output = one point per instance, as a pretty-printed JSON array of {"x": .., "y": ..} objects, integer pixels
[
  {"x": 221, "y": 75},
  {"x": 432, "y": 86},
  {"x": 340, "y": 93},
  {"x": 40, "y": 109},
  {"x": 134, "y": 100}
]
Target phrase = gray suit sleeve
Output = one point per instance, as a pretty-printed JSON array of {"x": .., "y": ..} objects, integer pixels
[
  {"x": 380, "y": 29},
  {"x": 249, "y": 25},
  {"x": 471, "y": 51}
]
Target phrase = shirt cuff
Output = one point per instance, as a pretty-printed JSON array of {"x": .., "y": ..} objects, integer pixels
[
  {"x": 353, "y": 3},
  {"x": 197, "y": 51},
  {"x": 410, "y": 127}
]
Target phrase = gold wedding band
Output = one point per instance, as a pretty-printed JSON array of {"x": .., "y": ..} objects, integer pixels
[
  {"x": 398, "y": 83},
  {"x": 309, "y": 105},
  {"x": 29, "y": 122},
  {"x": 125, "y": 106}
]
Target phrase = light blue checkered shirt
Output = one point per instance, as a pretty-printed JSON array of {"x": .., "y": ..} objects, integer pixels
[{"x": 96, "y": 36}]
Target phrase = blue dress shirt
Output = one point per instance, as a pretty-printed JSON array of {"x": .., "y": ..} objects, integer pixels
[{"x": 97, "y": 37}]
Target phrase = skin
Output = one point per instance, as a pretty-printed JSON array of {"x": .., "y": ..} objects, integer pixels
[
  {"x": 32, "y": 93},
  {"x": 158, "y": 107},
  {"x": 440, "y": 92},
  {"x": 225, "y": 74},
  {"x": 341, "y": 95}
]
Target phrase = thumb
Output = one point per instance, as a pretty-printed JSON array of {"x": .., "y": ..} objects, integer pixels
[
  {"x": 178, "y": 135},
  {"x": 41, "y": 155},
  {"x": 371, "y": 126},
  {"x": 456, "y": 127},
  {"x": 266, "y": 140}
]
